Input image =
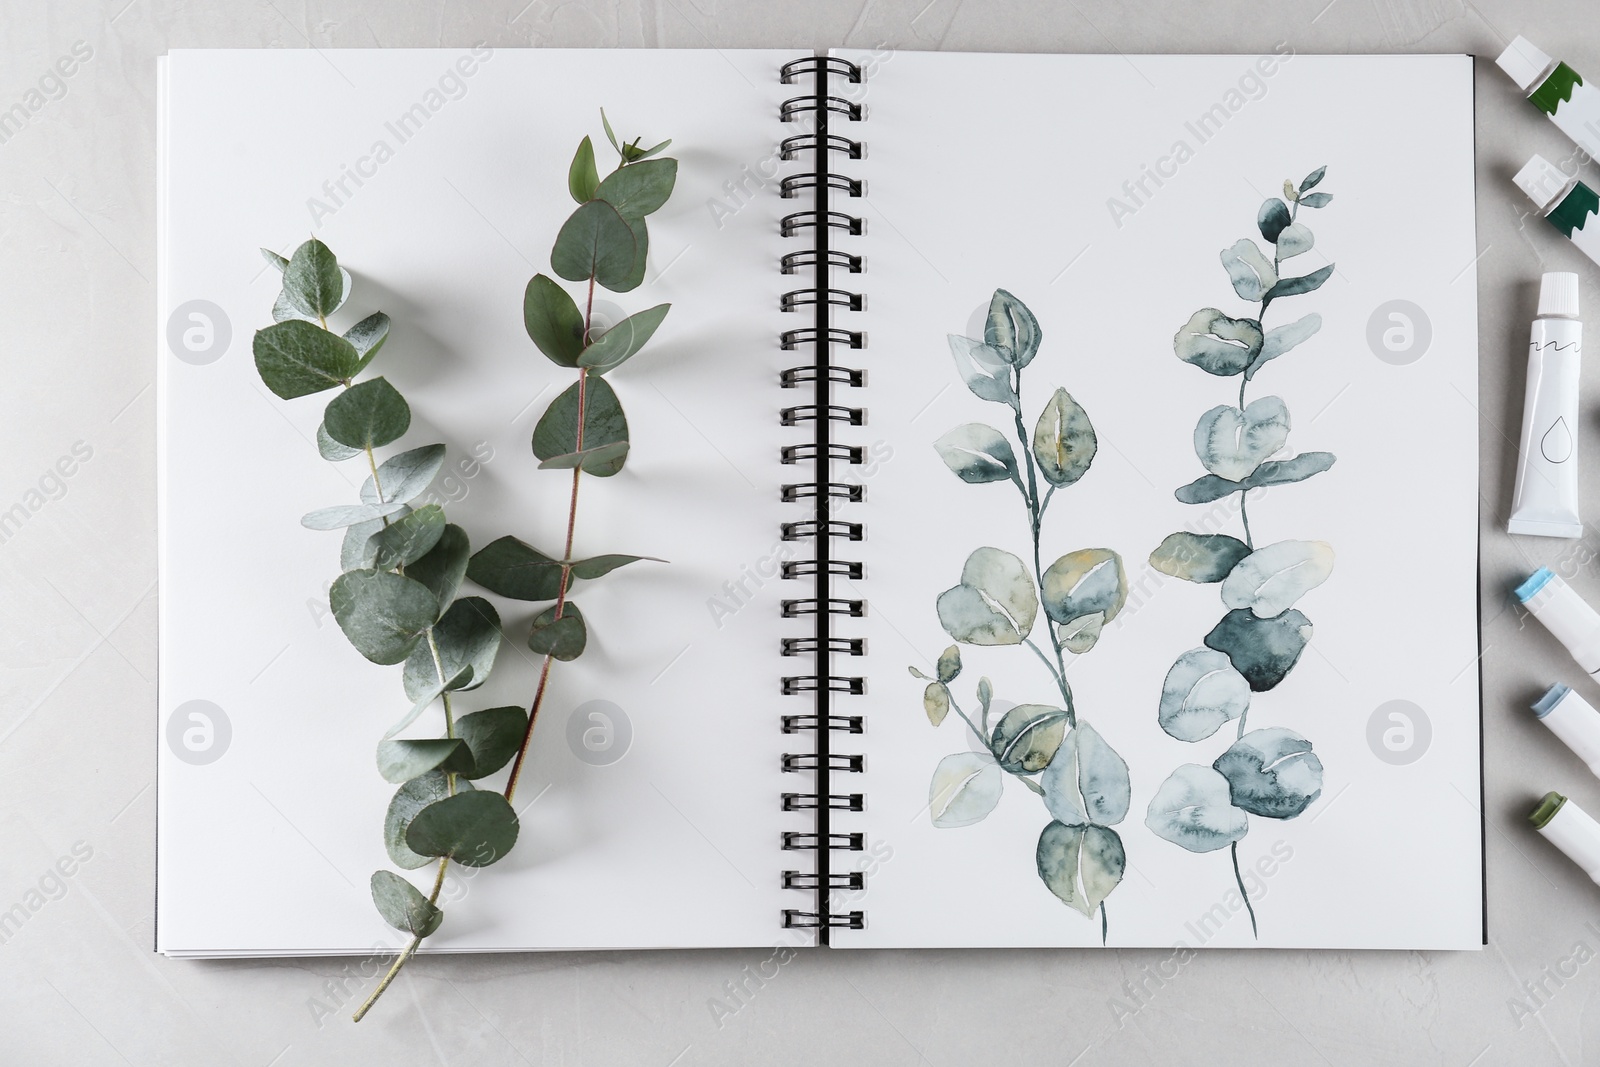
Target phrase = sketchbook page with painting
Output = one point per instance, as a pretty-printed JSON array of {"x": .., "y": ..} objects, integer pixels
[
  {"x": 1173, "y": 502},
  {"x": 649, "y": 812}
]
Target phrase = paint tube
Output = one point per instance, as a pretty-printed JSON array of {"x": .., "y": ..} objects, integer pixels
[
  {"x": 1570, "y": 829},
  {"x": 1545, "y": 501},
  {"x": 1565, "y": 614},
  {"x": 1568, "y": 204},
  {"x": 1574, "y": 720},
  {"x": 1557, "y": 90}
]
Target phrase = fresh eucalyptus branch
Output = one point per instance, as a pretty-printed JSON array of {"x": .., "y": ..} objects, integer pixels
[
  {"x": 1272, "y": 773},
  {"x": 395, "y": 599},
  {"x": 1082, "y": 780},
  {"x": 604, "y": 243}
]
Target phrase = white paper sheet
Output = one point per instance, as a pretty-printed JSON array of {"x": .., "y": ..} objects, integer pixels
[
  {"x": 439, "y": 177},
  {"x": 996, "y": 171}
]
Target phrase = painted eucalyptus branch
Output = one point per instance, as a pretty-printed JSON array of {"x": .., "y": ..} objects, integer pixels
[
  {"x": 1272, "y": 773},
  {"x": 1051, "y": 750}
]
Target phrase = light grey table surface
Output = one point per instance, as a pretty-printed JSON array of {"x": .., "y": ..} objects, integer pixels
[{"x": 78, "y": 981}]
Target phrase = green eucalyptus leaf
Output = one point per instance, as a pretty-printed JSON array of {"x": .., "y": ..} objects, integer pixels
[
  {"x": 641, "y": 257},
  {"x": 468, "y": 639},
  {"x": 603, "y": 424},
  {"x": 619, "y": 343},
  {"x": 640, "y": 188},
  {"x": 590, "y": 459},
  {"x": 274, "y": 260},
  {"x": 425, "y": 701},
  {"x": 995, "y": 602},
  {"x": 284, "y": 311},
  {"x": 596, "y": 242},
  {"x": 949, "y": 664},
  {"x": 406, "y": 476},
  {"x": 403, "y": 906},
  {"x": 1193, "y": 809},
  {"x": 965, "y": 789},
  {"x": 401, "y": 761},
  {"x": 382, "y": 614},
  {"x": 582, "y": 177},
  {"x": 609, "y": 135},
  {"x": 474, "y": 829},
  {"x": 367, "y": 336},
  {"x": 1064, "y": 441},
  {"x": 342, "y": 515},
  {"x": 1011, "y": 329},
  {"x": 1316, "y": 199},
  {"x": 298, "y": 358},
  {"x": 333, "y": 451},
  {"x": 599, "y": 566},
  {"x": 1218, "y": 344},
  {"x": 369, "y": 414},
  {"x": 1303, "y": 284},
  {"x": 357, "y": 551},
  {"x": 517, "y": 570},
  {"x": 1027, "y": 736},
  {"x": 313, "y": 281},
  {"x": 1272, "y": 218},
  {"x": 564, "y": 638},
  {"x": 493, "y": 736},
  {"x": 1083, "y": 582},
  {"x": 442, "y": 569},
  {"x": 553, "y": 320},
  {"x": 977, "y": 453},
  {"x": 1081, "y": 865},
  {"x": 408, "y": 539},
  {"x": 1196, "y": 557},
  {"x": 408, "y": 800}
]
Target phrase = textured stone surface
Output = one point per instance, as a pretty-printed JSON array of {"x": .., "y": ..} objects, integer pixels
[{"x": 77, "y": 578}]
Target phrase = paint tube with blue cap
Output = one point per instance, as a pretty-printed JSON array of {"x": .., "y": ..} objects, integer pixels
[
  {"x": 1565, "y": 614},
  {"x": 1545, "y": 502},
  {"x": 1574, "y": 720}
]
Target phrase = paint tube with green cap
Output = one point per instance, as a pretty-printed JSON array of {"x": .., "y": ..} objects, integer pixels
[
  {"x": 1557, "y": 90},
  {"x": 1570, "y": 205},
  {"x": 1570, "y": 829}
]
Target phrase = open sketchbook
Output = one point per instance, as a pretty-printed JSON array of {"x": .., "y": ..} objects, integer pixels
[{"x": 1146, "y": 384}]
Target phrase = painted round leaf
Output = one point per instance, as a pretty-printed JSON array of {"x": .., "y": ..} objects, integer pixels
[
  {"x": 1193, "y": 809},
  {"x": 1295, "y": 239},
  {"x": 1011, "y": 329},
  {"x": 977, "y": 454},
  {"x": 936, "y": 702},
  {"x": 1198, "y": 557},
  {"x": 1272, "y": 773},
  {"x": 1272, "y": 218},
  {"x": 1082, "y": 633},
  {"x": 1218, "y": 344},
  {"x": 474, "y": 829},
  {"x": 1251, "y": 272},
  {"x": 1084, "y": 582},
  {"x": 965, "y": 789},
  {"x": 1027, "y": 737},
  {"x": 984, "y": 369},
  {"x": 1270, "y": 580},
  {"x": 1233, "y": 443},
  {"x": 1064, "y": 440},
  {"x": 1263, "y": 650},
  {"x": 1282, "y": 338},
  {"x": 995, "y": 603},
  {"x": 1080, "y": 864},
  {"x": 1201, "y": 692},
  {"x": 949, "y": 664},
  {"x": 1086, "y": 782}
]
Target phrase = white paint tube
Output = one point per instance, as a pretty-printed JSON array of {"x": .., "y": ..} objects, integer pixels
[{"x": 1545, "y": 502}]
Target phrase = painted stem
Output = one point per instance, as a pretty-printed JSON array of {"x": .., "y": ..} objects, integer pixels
[
  {"x": 1244, "y": 893},
  {"x": 1036, "y": 521}
]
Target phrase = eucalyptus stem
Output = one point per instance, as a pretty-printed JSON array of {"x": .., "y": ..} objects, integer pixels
[
  {"x": 1036, "y": 521},
  {"x": 405, "y": 953},
  {"x": 1243, "y": 893}
]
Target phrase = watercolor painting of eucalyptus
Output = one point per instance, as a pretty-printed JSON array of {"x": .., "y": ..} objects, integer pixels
[
  {"x": 1268, "y": 772},
  {"x": 1046, "y": 746}
]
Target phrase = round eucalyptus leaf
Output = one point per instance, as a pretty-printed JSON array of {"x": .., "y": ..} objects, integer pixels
[
  {"x": 1201, "y": 692},
  {"x": 618, "y": 344},
  {"x": 639, "y": 189},
  {"x": 468, "y": 638},
  {"x": 1193, "y": 809},
  {"x": 298, "y": 358},
  {"x": 403, "y": 906},
  {"x": 1086, "y": 781},
  {"x": 313, "y": 281},
  {"x": 408, "y": 538},
  {"x": 1272, "y": 773},
  {"x": 603, "y": 424},
  {"x": 334, "y": 452},
  {"x": 445, "y": 565},
  {"x": 1263, "y": 650},
  {"x": 1084, "y": 582},
  {"x": 1232, "y": 442},
  {"x": 493, "y": 736},
  {"x": 367, "y": 415},
  {"x": 985, "y": 370},
  {"x": 1011, "y": 329},
  {"x": 404, "y": 477},
  {"x": 357, "y": 551},
  {"x": 341, "y": 515},
  {"x": 564, "y": 638},
  {"x": 965, "y": 789},
  {"x": 1218, "y": 344},
  {"x": 367, "y": 336},
  {"x": 977, "y": 453},
  {"x": 936, "y": 702},
  {"x": 1027, "y": 737},
  {"x": 1251, "y": 272},
  {"x": 517, "y": 570},
  {"x": 381, "y": 613},
  {"x": 1272, "y": 218},
  {"x": 1270, "y": 580},
  {"x": 409, "y": 799},
  {"x": 553, "y": 321},
  {"x": 474, "y": 829},
  {"x": 1198, "y": 557},
  {"x": 949, "y": 664},
  {"x": 1064, "y": 440},
  {"x": 594, "y": 242},
  {"x": 1080, "y": 864},
  {"x": 401, "y": 761}
]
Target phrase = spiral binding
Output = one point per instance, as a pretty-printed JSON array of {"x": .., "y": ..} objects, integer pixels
[{"x": 822, "y": 300}]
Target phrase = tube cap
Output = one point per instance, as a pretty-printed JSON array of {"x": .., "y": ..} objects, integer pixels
[
  {"x": 1542, "y": 181},
  {"x": 1526, "y": 65},
  {"x": 1558, "y": 295}
]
